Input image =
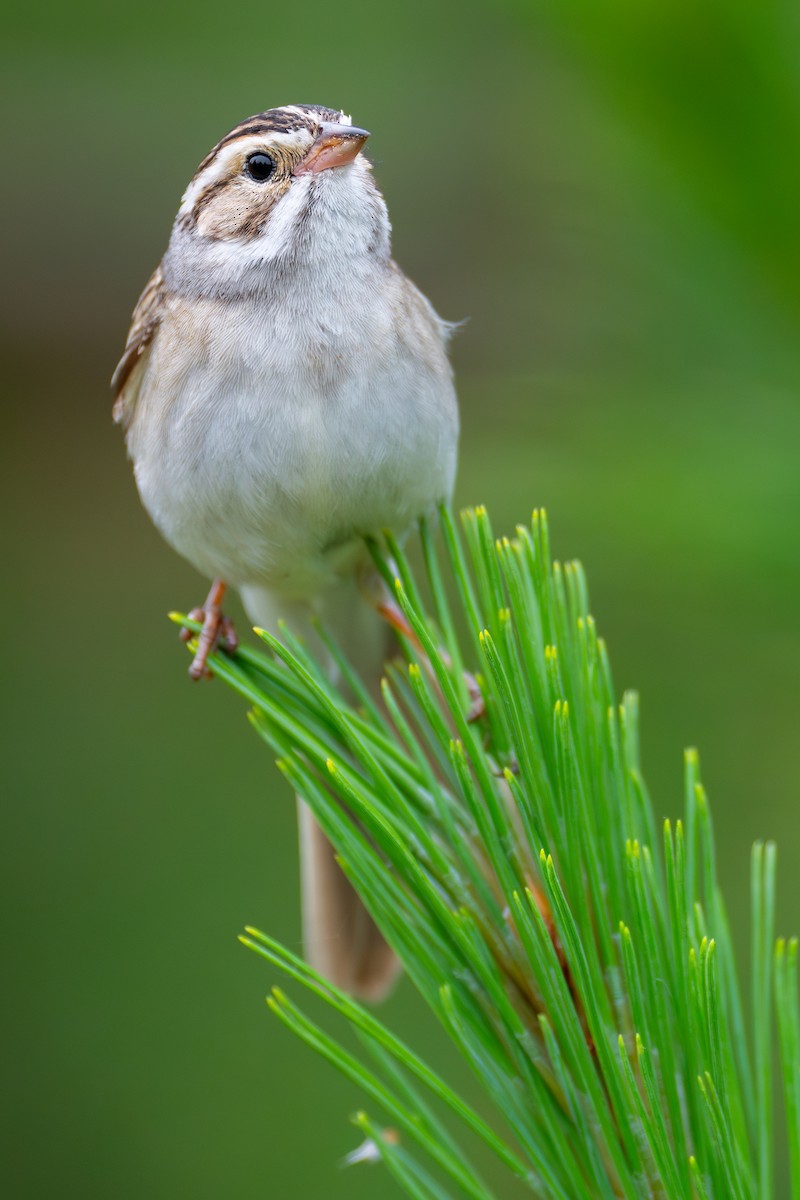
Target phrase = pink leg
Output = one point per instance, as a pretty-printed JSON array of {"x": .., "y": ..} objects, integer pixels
[
  {"x": 217, "y": 630},
  {"x": 394, "y": 616}
]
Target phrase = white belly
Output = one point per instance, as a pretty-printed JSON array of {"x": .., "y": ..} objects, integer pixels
[{"x": 263, "y": 456}]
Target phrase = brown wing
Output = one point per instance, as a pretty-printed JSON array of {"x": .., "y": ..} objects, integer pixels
[{"x": 146, "y": 320}]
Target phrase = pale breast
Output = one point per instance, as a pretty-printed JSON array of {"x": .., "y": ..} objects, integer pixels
[{"x": 267, "y": 441}]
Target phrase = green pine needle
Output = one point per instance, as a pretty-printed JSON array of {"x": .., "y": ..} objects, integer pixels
[{"x": 582, "y": 965}]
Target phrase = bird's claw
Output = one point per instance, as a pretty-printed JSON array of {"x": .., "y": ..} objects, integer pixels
[
  {"x": 477, "y": 704},
  {"x": 396, "y": 618},
  {"x": 217, "y": 632}
]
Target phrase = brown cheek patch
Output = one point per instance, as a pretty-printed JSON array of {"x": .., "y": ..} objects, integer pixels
[{"x": 230, "y": 211}]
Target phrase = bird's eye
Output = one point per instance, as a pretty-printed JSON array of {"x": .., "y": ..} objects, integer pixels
[{"x": 259, "y": 167}]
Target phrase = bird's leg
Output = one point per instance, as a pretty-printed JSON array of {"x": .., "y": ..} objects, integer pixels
[
  {"x": 388, "y": 608},
  {"x": 217, "y": 631},
  {"x": 477, "y": 704}
]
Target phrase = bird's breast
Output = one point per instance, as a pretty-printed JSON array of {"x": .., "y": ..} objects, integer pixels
[{"x": 268, "y": 438}]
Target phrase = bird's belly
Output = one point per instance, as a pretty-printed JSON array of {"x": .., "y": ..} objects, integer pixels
[{"x": 274, "y": 480}]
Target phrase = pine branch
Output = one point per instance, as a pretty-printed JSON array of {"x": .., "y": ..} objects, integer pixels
[{"x": 581, "y": 963}]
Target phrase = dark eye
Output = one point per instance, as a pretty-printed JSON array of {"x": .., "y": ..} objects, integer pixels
[{"x": 259, "y": 167}]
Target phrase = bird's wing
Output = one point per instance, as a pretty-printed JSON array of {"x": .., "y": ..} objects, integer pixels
[{"x": 146, "y": 320}]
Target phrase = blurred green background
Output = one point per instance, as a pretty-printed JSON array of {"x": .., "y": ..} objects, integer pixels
[{"x": 611, "y": 195}]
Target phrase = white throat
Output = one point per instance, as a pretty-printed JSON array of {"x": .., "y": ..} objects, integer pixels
[{"x": 330, "y": 226}]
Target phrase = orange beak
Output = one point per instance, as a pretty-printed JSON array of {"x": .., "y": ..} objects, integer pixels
[{"x": 334, "y": 146}]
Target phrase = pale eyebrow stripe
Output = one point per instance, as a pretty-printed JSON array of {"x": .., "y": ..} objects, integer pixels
[{"x": 213, "y": 171}]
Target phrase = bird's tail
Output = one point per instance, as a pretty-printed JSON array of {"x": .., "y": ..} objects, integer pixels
[{"x": 340, "y": 938}]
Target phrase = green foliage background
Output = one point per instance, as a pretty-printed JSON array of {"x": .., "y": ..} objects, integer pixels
[{"x": 610, "y": 194}]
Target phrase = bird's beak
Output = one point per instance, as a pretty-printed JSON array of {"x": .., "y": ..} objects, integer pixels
[{"x": 334, "y": 146}]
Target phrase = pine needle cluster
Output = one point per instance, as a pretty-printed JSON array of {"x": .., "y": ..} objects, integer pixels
[{"x": 578, "y": 956}]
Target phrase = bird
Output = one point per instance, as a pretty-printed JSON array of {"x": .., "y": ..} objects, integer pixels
[{"x": 286, "y": 392}]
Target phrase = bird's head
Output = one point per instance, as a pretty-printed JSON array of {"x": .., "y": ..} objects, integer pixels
[{"x": 285, "y": 187}]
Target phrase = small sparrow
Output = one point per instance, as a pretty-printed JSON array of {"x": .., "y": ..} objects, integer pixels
[{"x": 285, "y": 390}]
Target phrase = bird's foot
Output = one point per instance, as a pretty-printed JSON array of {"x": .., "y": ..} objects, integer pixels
[
  {"x": 477, "y": 704},
  {"x": 217, "y": 632},
  {"x": 391, "y": 612}
]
